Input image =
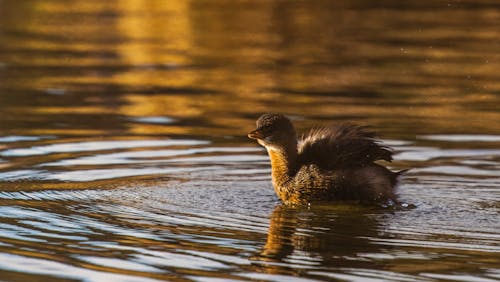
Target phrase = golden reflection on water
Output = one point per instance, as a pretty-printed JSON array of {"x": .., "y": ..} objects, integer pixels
[
  {"x": 153, "y": 28},
  {"x": 433, "y": 71}
]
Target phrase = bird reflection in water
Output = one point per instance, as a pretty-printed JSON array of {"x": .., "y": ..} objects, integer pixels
[{"x": 321, "y": 236}]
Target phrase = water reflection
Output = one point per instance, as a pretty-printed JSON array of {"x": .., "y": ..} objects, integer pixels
[
  {"x": 315, "y": 236},
  {"x": 196, "y": 62}
]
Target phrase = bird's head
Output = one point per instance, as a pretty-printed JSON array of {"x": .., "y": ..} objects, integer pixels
[{"x": 274, "y": 131}]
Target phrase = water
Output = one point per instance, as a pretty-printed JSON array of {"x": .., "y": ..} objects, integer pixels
[{"x": 124, "y": 157}]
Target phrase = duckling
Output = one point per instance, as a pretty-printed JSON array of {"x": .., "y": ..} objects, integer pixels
[{"x": 333, "y": 163}]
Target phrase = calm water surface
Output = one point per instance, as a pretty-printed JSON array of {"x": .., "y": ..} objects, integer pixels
[{"x": 124, "y": 157}]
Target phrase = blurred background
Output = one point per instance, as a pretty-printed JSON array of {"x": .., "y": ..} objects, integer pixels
[
  {"x": 124, "y": 156},
  {"x": 93, "y": 68}
]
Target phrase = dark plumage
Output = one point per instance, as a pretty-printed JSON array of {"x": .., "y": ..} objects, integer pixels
[{"x": 334, "y": 163}]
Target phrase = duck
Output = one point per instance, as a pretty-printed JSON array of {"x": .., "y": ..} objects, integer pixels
[{"x": 334, "y": 163}]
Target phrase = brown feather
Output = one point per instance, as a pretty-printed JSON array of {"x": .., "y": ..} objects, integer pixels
[{"x": 342, "y": 146}]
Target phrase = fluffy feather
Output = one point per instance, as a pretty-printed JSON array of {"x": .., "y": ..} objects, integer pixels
[{"x": 342, "y": 146}]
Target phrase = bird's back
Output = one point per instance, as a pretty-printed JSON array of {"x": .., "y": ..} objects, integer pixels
[
  {"x": 341, "y": 147},
  {"x": 338, "y": 163}
]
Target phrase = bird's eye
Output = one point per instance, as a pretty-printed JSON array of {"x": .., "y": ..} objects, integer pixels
[{"x": 265, "y": 128}]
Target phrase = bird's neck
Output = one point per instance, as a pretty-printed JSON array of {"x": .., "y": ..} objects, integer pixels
[{"x": 283, "y": 163}]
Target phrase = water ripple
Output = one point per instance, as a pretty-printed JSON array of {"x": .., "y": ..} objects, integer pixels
[
  {"x": 16, "y": 138},
  {"x": 461, "y": 138},
  {"x": 58, "y": 269},
  {"x": 96, "y": 146},
  {"x": 154, "y": 119},
  {"x": 428, "y": 153},
  {"x": 151, "y": 156}
]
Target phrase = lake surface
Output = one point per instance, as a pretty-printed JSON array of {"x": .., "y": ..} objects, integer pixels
[{"x": 124, "y": 156}]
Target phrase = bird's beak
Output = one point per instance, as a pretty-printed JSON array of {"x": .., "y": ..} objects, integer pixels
[{"x": 256, "y": 134}]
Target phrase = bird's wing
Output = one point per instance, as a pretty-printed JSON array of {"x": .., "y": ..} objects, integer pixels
[{"x": 341, "y": 146}]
